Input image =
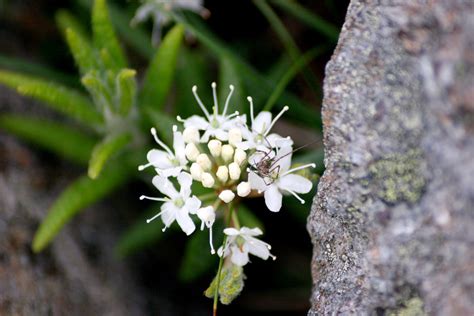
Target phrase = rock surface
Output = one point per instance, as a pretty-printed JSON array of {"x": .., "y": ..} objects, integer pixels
[{"x": 392, "y": 223}]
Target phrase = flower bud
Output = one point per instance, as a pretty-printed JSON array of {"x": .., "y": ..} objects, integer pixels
[
  {"x": 196, "y": 171},
  {"x": 227, "y": 152},
  {"x": 191, "y": 135},
  {"x": 204, "y": 161},
  {"x": 234, "y": 171},
  {"x": 222, "y": 174},
  {"x": 240, "y": 156},
  {"x": 215, "y": 147},
  {"x": 191, "y": 151},
  {"x": 226, "y": 196},
  {"x": 243, "y": 189},
  {"x": 207, "y": 180},
  {"x": 235, "y": 136}
]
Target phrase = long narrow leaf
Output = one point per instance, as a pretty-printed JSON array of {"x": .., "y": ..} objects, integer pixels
[
  {"x": 160, "y": 73},
  {"x": 286, "y": 39},
  {"x": 104, "y": 150},
  {"x": 35, "y": 69},
  {"x": 290, "y": 74},
  {"x": 82, "y": 51},
  {"x": 66, "y": 20},
  {"x": 55, "y": 137},
  {"x": 80, "y": 194},
  {"x": 104, "y": 34},
  {"x": 126, "y": 89},
  {"x": 311, "y": 19},
  {"x": 60, "y": 98},
  {"x": 229, "y": 75},
  {"x": 255, "y": 83}
]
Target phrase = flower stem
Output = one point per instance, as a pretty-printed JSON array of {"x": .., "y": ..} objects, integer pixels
[{"x": 221, "y": 262}]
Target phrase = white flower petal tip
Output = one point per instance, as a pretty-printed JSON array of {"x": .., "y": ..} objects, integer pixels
[{"x": 227, "y": 196}]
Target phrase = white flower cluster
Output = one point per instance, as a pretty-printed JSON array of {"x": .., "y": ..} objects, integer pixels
[{"x": 232, "y": 160}]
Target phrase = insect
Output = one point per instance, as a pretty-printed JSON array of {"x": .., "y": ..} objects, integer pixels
[{"x": 267, "y": 167}]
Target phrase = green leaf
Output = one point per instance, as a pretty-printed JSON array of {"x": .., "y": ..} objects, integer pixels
[
  {"x": 65, "y": 20},
  {"x": 58, "y": 138},
  {"x": 163, "y": 124},
  {"x": 82, "y": 51},
  {"x": 159, "y": 75},
  {"x": 79, "y": 195},
  {"x": 197, "y": 259},
  {"x": 104, "y": 34},
  {"x": 247, "y": 218},
  {"x": 60, "y": 98},
  {"x": 229, "y": 76},
  {"x": 298, "y": 65},
  {"x": 311, "y": 19},
  {"x": 141, "y": 234},
  {"x": 104, "y": 150},
  {"x": 126, "y": 89},
  {"x": 193, "y": 69},
  {"x": 35, "y": 69}
]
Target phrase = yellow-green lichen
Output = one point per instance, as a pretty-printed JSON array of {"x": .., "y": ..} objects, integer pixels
[
  {"x": 230, "y": 286},
  {"x": 399, "y": 177},
  {"x": 413, "y": 307}
]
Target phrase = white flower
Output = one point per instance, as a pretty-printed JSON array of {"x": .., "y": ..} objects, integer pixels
[
  {"x": 166, "y": 162},
  {"x": 177, "y": 205},
  {"x": 207, "y": 180},
  {"x": 215, "y": 124},
  {"x": 207, "y": 215},
  {"x": 227, "y": 152},
  {"x": 239, "y": 156},
  {"x": 227, "y": 196},
  {"x": 234, "y": 171},
  {"x": 204, "y": 161},
  {"x": 235, "y": 136},
  {"x": 259, "y": 133},
  {"x": 196, "y": 171},
  {"x": 281, "y": 180},
  {"x": 222, "y": 173},
  {"x": 159, "y": 11},
  {"x": 191, "y": 135},
  {"x": 215, "y": 147},
  {"x": 241, "y": 242},
  {"x": 191, "y": 151}
]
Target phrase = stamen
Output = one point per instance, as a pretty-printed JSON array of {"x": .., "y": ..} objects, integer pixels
[
  {"x": 203, "y": 108},
  {"x": 143, "y": 167},
  {"x": 231, "y": 87},
  {"x": 143, "y": 197},
  {"x": 312, "y": 165},
  {"x": 163, "y": 145},
  {"x": 236, "y": 113},
  {"x": 296, "y": 196},
  {"x": 179, "y": 119},
  {"x": 214, "y": 94},
  {"x": 210, "y": 241},
  {"x": 153, "y": 218},
  {"x": 251, "y": 108},
  {"x": 285, "y": 108}
]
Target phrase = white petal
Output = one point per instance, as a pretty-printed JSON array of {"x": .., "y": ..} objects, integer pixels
[
  {"x": 185, "y": 221},
  {"x": 262, "y": 122},
  {"x": 170, "y": 172},
  {"x": 238, "y": 257},
  {"x": 273, "y": 198},
  {"x": 207, "y": 215},
  {"x": 168, "y": 214},
  {"x": 256, "y": 182},
  {"x": 278, "y": 141},
  {"x": 284, "y": 158},
  {"x": 165, "y": 186},
  {"x": 197, "y": 122},
  {"x": 159, "y": 159},
  {"x": 185, "y": 180},
  {"x": 295, "y": 182},
  {"x": 179, "y": 146},
  {"x": 192, "y": 204},
  {"x": 257, "y": 248},
  {"x": 251, "y": 231},
  {"x": 221, "y": 134},
  {"x": 231, "y": 232}
]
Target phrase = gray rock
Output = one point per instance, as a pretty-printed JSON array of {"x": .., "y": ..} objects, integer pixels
[{"x": 393, "y": 221}]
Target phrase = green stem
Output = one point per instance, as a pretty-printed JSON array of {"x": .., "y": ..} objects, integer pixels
[
  {"x": 221, "y": 262},
  {"x": 207, "y": 196}
]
